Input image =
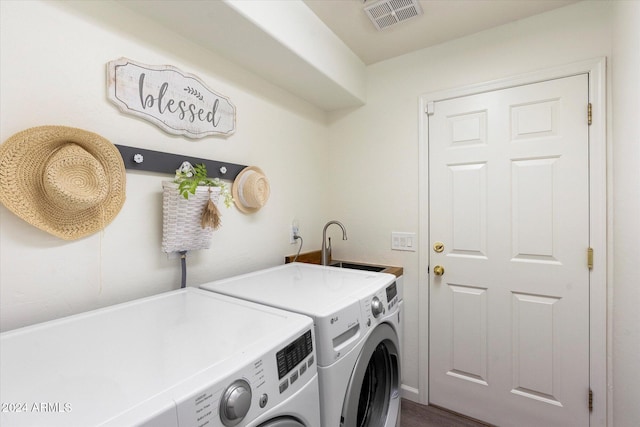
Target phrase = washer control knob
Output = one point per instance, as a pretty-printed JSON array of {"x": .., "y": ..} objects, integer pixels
[
  {"x": 263, "y": 400},
  {"x": 376, "y": 307},
  {"x": 235, "y": 403}
]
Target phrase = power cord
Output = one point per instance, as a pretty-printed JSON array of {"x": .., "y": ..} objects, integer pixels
[
  {"x": 183, "y": 263},
  {"x": 298, "y": 237}
]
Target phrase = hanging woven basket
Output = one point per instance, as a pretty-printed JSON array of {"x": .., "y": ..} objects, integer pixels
[{"x": 182, "y": 218}]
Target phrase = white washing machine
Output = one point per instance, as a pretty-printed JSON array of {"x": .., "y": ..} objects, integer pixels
[
  {"x": 357, "y": 323},
  {"x": 183, "y": 358}
]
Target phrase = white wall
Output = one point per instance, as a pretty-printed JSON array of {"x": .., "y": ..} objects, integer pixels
[
  {"x": 375, "y": 148},
  {"x": 53, "y": 71},
  {"x": 626, "y": 213}
]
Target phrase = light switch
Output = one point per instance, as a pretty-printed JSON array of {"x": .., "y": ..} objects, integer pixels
[{"x": 401, "y": 241}]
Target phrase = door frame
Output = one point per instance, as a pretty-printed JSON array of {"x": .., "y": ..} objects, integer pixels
[{"x": 599, "y": 222}]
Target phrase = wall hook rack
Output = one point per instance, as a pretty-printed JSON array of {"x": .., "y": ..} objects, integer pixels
[{"x": 157, "y": 161}]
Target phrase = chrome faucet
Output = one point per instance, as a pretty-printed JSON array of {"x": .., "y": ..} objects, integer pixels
[{"x": 326, "y": 250}]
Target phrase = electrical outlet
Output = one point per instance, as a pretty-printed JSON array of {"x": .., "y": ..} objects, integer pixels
[{"x": 293, "y": 232}]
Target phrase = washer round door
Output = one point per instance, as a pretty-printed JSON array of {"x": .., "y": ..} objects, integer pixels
[
  {"x": 373, "y": 398},
  {"x": 282, "y": 422}
]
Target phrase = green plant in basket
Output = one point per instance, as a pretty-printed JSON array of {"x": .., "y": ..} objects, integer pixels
[{"x": 190, "y": 177}]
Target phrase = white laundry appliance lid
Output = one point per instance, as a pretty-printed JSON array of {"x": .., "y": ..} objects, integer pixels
[
  {"x": 93, "y": 366},
  {"x": 314, "y": 290}
]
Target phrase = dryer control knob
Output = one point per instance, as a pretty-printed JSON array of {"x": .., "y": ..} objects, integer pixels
[
  {"x": 376, "y": 307},
  {"x": 235, "y": 403}
]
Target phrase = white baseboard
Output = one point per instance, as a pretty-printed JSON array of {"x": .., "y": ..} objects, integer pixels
[{"x": 410, "y": 393}]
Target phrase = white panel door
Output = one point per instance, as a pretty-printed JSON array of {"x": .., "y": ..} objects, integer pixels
[{"x": 509, "y": 200}]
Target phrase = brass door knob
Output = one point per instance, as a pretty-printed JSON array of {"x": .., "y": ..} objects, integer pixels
[{"x": 438, "y": 270}]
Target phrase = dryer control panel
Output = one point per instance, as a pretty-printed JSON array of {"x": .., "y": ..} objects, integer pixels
[
  {"x": 290, "y": 356},
  {"x": 259, "y": 386}
]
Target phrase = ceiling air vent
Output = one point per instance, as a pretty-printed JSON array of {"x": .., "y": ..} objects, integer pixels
[{"x": 387, "y": 13}]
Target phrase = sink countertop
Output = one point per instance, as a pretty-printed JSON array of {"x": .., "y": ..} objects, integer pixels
[{"x": 314, "y": 257}]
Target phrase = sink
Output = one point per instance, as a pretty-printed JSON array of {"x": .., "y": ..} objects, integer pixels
[{"x": 356, "y": 266}]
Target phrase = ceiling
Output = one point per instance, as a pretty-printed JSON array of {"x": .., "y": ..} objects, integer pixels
[
  {"x": 319, "y": 49},
  {"x": 442, "y": 20}
]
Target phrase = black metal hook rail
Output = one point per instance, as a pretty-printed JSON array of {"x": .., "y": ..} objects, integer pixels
[{"x": 157, "y": 161}]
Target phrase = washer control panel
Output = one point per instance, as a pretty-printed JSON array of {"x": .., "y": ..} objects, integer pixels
[
  {"x": 380, "y": 304},
  {"x": 377, "y": 307},
  {"x": 392, "y": 295}
]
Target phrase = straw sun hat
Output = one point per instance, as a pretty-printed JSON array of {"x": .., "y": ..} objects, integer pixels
[
  {"x": 66, "y": 181},
  {"x": 250, "y": 189}
]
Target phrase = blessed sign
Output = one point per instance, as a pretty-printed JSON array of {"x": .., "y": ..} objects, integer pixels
[{"x": 178, "y": 103}]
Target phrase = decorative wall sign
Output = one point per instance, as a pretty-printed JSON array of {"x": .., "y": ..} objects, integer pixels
[{"x": 177, "y": 102}]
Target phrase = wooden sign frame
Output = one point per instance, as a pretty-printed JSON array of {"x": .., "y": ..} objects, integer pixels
[{"x": 179, "y": 103}]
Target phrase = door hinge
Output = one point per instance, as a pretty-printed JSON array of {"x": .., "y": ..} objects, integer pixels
[
  {"x": 589, "y": 114},
  {"x": 590, "y": 400},
  {"x": 590, "y": 258}
]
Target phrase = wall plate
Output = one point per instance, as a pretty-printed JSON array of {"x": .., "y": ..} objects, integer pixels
[{"x": 402, "y": 241}]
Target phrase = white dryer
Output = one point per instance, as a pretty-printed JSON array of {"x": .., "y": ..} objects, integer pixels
[
  {"x": 357, "y": 323},
  {"x": 182, "y": 358}
]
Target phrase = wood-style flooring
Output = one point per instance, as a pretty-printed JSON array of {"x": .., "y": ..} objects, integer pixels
[{"x": 416, "y": 415}]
